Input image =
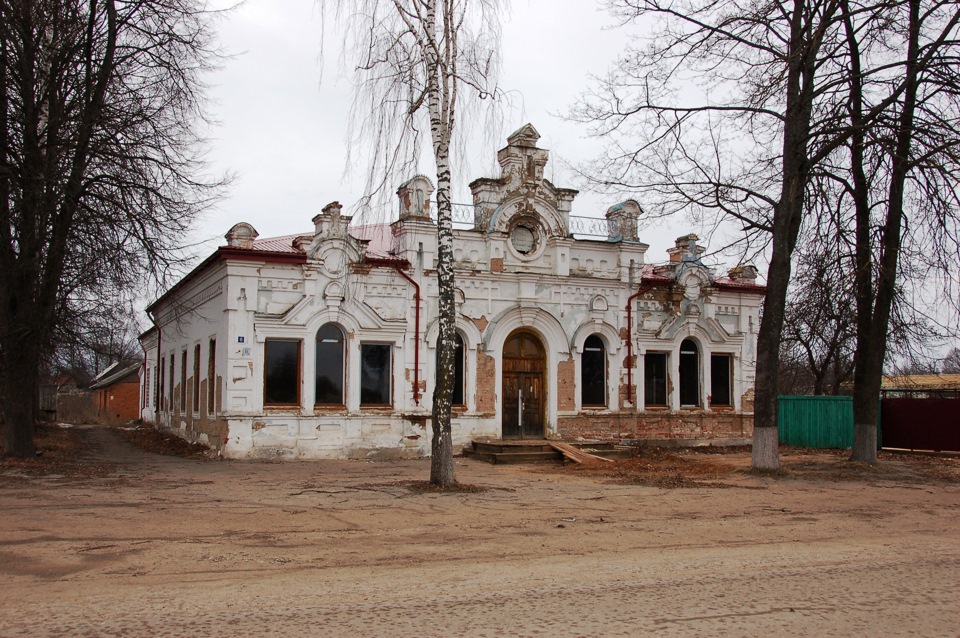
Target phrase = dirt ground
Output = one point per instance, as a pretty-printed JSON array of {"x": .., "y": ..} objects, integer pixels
[{"x": 99, "y": 537}]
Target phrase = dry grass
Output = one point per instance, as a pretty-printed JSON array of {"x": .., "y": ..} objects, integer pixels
[
  {"x": 151, "y": 439},
  {"x": 61, "y": 450}
]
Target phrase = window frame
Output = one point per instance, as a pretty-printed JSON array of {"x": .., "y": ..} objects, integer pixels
[
  {"x": 196, "y": 379},
  {"x": 212, "y": 376},
  {"x": 600, "y": 361},
  {"x": 459, "y": 371},
  {"x": 343, "y": 368},
  {"x": 388, "y": 371},
  {"x": 183, "y": 381},
  {"x": 298, "y": 369},
  {"x": 161, "y": 383},
  {"x": 683, "y": 369},
  {"x": 146, "y": 387},
  {"x": 647, "y": 380},
  {"x": 713, "y": 381}
]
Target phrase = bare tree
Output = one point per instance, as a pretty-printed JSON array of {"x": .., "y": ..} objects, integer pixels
[
  {"x": 903, "y": 167},
  {"x": 95, "y": 334},
  {"x": 951, "y": 363},
  {"x": 819, "y": 335},
  {"x": 775, "y": 102},
  {"x": 416, "y": 60},
  {"x": 100, "y": 165},
  {"x": 742, "y": 143}
]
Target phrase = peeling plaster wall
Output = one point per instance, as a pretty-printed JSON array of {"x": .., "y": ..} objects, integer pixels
[{"x": 561, "y": 289}]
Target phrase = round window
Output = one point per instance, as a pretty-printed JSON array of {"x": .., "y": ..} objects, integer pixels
[{"x": 523, "y": 239}]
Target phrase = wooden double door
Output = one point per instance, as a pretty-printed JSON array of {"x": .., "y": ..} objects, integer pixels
[{"x": 524, "y": 397}]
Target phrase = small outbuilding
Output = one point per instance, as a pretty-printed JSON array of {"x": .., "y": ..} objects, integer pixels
[{"x": 116, "y": 393}]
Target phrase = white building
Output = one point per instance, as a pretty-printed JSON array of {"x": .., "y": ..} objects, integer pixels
[{"x": 324, "y": 344}]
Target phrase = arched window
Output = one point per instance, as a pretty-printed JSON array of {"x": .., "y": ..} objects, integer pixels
[
  {"x": 689, "y": 374},
  {"x": 459, "y": 397},
  {"x": 330, "y": 359},
  {"x": 593, "y": 373}
]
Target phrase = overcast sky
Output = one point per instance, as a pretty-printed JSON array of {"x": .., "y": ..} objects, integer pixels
[{"x": 283, "y": 116}]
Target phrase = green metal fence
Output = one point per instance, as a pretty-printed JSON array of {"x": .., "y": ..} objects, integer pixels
[{"x": 818, "y": 422}]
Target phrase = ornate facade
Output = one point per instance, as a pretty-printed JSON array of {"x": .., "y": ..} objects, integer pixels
[{"x": 324, "y": 344}]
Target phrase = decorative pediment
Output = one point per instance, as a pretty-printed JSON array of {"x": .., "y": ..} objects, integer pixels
[
  {"x": 696, "y": 324},
  {"x": 522, "y": 191}
]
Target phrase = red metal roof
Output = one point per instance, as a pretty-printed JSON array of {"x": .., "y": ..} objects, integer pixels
[
  {"x": 651, "y": 277},
  {"x": 725, "y": 283},
  {"x": 381, "y": 239},
  {"x": 282, "y": 244},
  {"x": 379, "y": 236}
]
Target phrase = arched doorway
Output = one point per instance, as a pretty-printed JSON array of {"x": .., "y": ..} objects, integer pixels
[{"x": 524, "y": 363}]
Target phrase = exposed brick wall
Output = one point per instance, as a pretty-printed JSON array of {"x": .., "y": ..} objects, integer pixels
[
  {"x": 656, "y": 425},
  {"x": 118, "y": 403},
  {"x": 566, "y": 400},
  {"x": 486, "y": 379},
  {"x": 199, "y": 426},
  {"x": 201, "y": 423}
]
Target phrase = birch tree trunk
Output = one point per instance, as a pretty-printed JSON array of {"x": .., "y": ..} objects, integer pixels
[
  {"x": 441, "y": 100},
  {"x": 414, "y": 56}
]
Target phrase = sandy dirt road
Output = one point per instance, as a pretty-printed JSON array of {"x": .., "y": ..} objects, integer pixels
[{"x": 148, "y": 545}]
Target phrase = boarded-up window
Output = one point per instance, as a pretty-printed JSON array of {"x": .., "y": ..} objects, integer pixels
[
  {"x": 655, "y": 378},
  {"x": 281, "y": 377},
  {"x": 162, "y": 381},
  {"x": 593, "y": 372},
  {"x": 375, "y": 374},
  {"x": 720, "y": 377}
]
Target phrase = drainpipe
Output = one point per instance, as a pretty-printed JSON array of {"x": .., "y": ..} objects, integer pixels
[
  {"x": 629, "y": 339},
  {"x": 416, "y": 333},
  {"x": 399, "y": 267}
]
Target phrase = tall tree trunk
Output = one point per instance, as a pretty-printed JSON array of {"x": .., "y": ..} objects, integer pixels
[
  {"x": 36, "y": 237},
  {"x": 441, "y": 102},
  {"x": 441, "y": 449},
  {"x": 872, "y": 323},
  {"x": 20, "y": 393},
  {"x": 786, "y": 228}
]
